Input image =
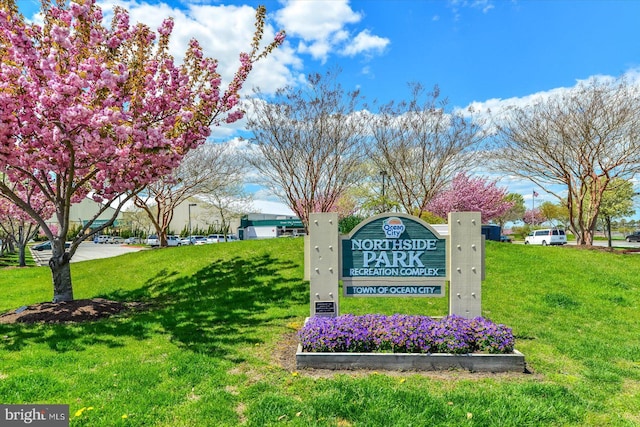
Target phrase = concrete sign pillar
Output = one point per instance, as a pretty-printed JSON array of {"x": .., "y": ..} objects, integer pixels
[
  {"x": 466, "y": 264},
  {"x": 324, "y": 264}
]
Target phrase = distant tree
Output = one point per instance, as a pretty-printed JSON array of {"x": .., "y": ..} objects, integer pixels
[
  {"x": 18, "y": 227},
  {"x": 346, "y": 224},
  {"x": 617, "y": 202},
  {"x": 137, "y": 221},
  {"x": 533, "y": 217},
  {"x": 211, "y": 170},
  {"x": 553, "y": 213},
  {"x": 578, "y": 141},
  {"x": 228, "y": 201},
  {"x": 467, "y": 194},
  {"x": 422, "y": 146},
  {"x": 101, "y": 111},
  {"x": 515, "y": 212},
  {"x": 309, "y": 143},
  {"x": 373, "y": 194}
]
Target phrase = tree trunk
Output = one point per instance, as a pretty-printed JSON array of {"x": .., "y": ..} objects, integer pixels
[
  {"x": 608, "y": 221},
  {"x": 61, "y": 273},
  {"x": 22, "y": 262}
]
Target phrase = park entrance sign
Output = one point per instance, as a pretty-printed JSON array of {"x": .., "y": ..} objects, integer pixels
[
  {"x": 393, "y": 256},
  {"x": 396, "y": 255}
]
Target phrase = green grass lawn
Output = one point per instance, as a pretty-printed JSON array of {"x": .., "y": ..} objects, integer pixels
[
  {"x": 205, "y": 350},
  {"x": 11, "y": 259}
]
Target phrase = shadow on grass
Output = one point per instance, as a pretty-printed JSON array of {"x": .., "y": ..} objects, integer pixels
[{"x": 220, "y": 306}]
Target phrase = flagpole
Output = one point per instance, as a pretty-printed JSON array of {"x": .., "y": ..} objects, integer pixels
[
  {"x": 533, "y": 207},
  {"x": 533, "y": 201}
]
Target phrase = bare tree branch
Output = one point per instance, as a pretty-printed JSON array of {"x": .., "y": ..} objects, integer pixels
[
  {"x": 422, "y": 147},
  {"x": 579, "y": 141},
  {"x": 310, "y": 143}
]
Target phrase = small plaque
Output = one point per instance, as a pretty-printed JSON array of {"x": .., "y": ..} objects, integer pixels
[{"x": 325, "y": 309}]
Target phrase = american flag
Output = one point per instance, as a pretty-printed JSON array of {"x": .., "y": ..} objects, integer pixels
[{"x": 535, "y": 194}]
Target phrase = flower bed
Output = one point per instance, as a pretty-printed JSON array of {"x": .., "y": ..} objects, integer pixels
[
  {"x": 403, "y": 342},
  {"x": 405, "y": 334}
]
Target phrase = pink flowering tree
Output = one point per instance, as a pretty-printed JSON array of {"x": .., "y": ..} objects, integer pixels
[
  {"x": 467, "y": 194},
  {"x": 90, "y": 110},
  {"x": 534, "y": 217},
  {"x": 19, "y": 227}
]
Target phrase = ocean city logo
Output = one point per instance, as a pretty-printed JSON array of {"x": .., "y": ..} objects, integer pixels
[{"x": 393, "y": 227}]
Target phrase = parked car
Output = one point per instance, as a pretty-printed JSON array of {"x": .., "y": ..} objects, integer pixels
[
  {"x": 219, "y": 238},
  {"x": 132, "y": 240},
  {"x": 546, "y": 236},
  {"x": 505, "y": 239},
  {"x": 199, "y": 240},
  {"x": 153, "y": 240},
  {"x": 633, "y": 237},
  {"x": 101, "y": 238},
  {"x": 215, "y": 238},
  {"x": 115, "y": 240},
  {"x": 187, "y": 241},
  {"x": 173, "y": 241},
  {"x": 46, "y": 246}
]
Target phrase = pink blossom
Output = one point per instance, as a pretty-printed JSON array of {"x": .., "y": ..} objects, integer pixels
[
  {"x": 466, "y": 194},
  {"x": 166, "y": 27},
  {"x": 75, "y": 124}
]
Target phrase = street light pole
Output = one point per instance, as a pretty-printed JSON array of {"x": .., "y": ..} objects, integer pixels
[
  {"x": 190, "y": 204},
  {"x": 383, "y": 173}
]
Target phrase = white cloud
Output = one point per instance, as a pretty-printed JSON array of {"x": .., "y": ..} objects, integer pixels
[
  {"x": 365, "y": 42},
  {"x": 321, "y": 27},
  {"x": 223, "y": 31},
  {"x": 316, "y": 19}
]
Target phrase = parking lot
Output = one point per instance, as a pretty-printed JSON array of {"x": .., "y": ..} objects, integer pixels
[{"x": 87, "y": 251}]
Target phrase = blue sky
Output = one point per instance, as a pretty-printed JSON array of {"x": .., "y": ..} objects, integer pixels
[
  {"x": 474, "y": 50},
  {"x": 478, "y": 51}
]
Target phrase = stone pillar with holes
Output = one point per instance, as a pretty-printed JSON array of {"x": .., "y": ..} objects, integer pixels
[
  {"x": 324, "y": 264},
  {"x": 466, "y": 264}
]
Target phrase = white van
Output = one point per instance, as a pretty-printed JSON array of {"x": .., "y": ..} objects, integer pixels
[{"x": 546, "y": 236}]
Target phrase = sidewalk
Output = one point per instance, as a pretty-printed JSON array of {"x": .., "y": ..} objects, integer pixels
[{"x": 88, "y": 251}]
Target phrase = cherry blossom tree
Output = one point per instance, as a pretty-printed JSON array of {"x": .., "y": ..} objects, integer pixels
[
  {"x": 88, "y": 110},
  {"x": 533, "y": 217},
  {"x": 17, "y": 226},
  {"x": 471, "y": 194}
]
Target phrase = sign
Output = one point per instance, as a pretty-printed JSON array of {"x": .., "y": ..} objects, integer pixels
[
  {"x": 325, "y": 309},
  {"x": 395, "y": 254},
  {"x": 394, "y": 290},
  {"x": 394, "y": 248}
]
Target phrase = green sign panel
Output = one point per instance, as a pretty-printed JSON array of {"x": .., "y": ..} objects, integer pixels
[
  {"x": 388, "y": 290},
  {"x": 393, "y": 254},
  {"x": 393, "y": 247}
]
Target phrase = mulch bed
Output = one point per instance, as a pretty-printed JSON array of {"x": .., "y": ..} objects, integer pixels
[{"x": 81, "y": 310}]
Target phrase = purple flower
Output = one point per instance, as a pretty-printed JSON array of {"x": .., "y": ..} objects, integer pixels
[{"x": 405, "y": 334}]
